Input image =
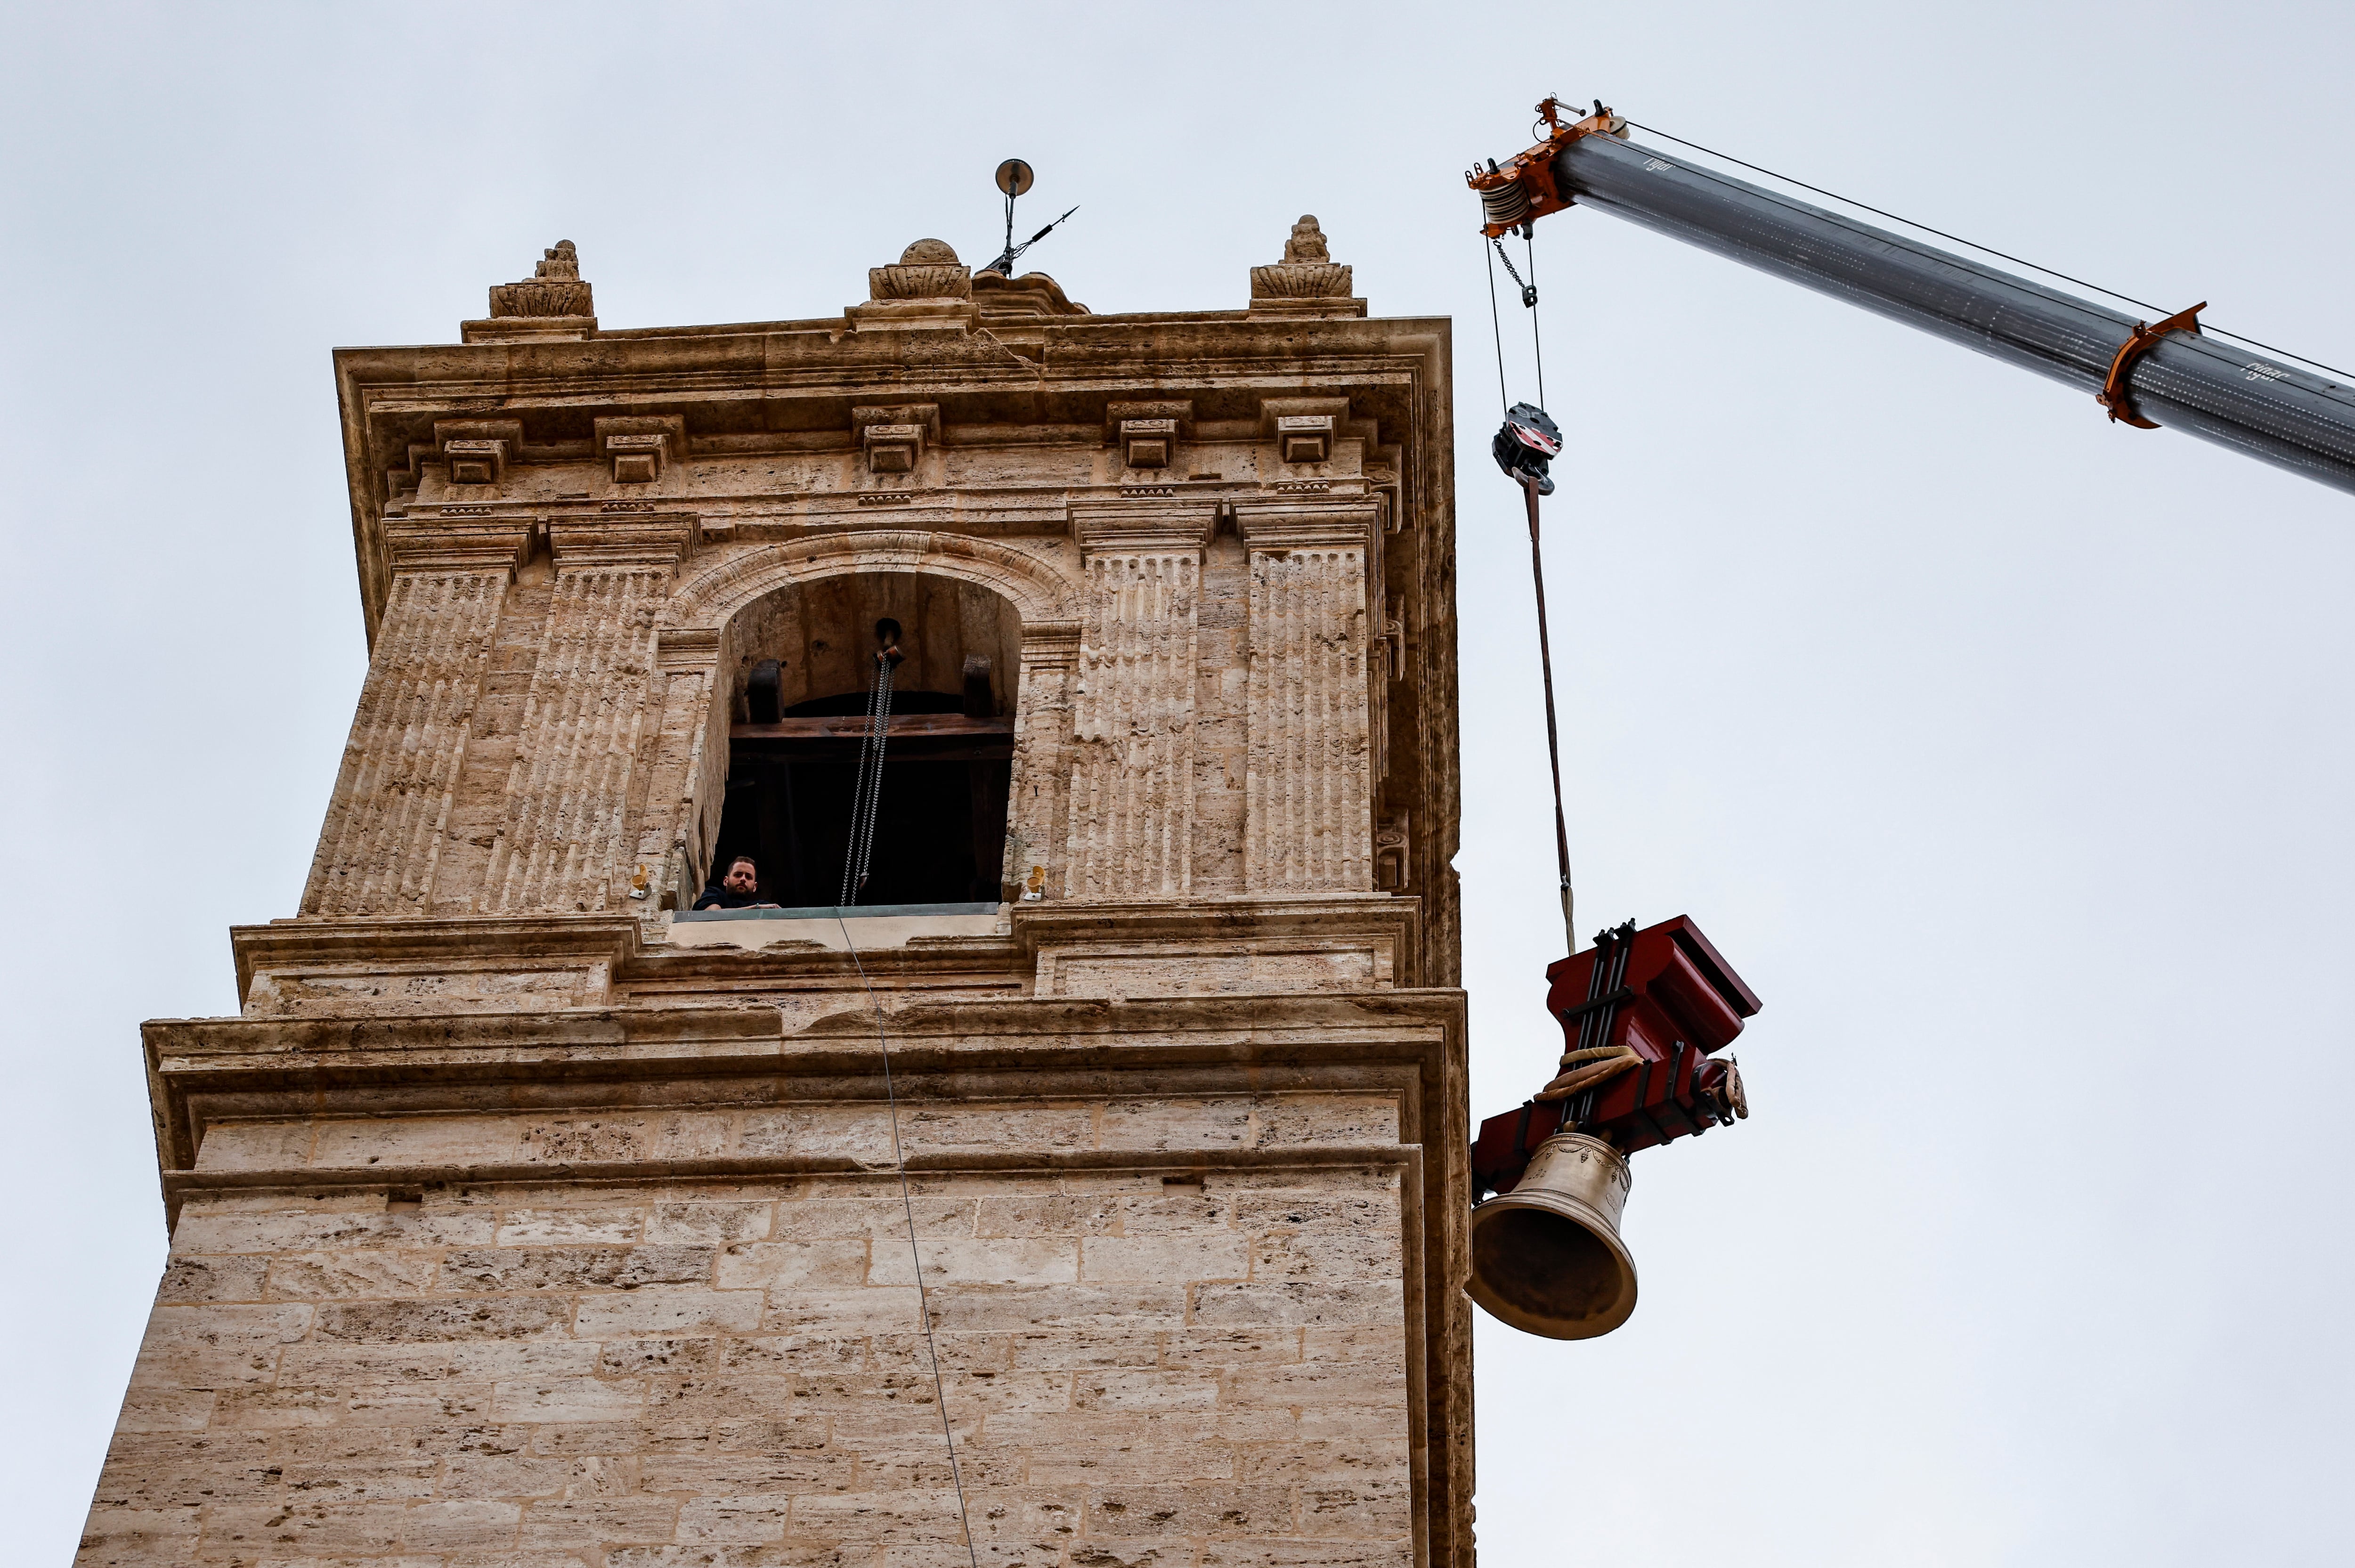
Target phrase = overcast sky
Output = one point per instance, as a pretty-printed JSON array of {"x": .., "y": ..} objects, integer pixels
[{"x": 2004, "y": 749}]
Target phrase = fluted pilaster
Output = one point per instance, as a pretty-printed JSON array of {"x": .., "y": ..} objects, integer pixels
[
  {"x": 566, "y": 841},
  {"x": 1308, "y": 823},
  {"x": 381, "y": 845},
  {"x": 1132, "y": 773}
]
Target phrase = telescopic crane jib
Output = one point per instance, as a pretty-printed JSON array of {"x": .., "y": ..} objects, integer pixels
[
  {"x": 2167, "y": 372},
  {"x": 1645, "y": 1013}
]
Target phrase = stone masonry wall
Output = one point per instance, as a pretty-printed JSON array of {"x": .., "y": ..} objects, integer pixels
[{"x": 648, "y": 1375}]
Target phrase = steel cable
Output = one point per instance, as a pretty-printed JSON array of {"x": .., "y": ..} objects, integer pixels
[
  {"x": 869, "y": 793},
  {"x": 908, "y": 1208}
]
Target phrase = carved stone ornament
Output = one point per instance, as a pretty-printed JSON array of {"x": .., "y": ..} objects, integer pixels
[
  {"x": 1031, "y": 294},
  {"x": 1307, "y": 271},
  {"x": 552, "y": 305},
  {"x": 554, "y": 288},
  {"x": 928, "y": 291},
  {"x": 928, "y": 270},
  {"x": 1393, "y": 854}
]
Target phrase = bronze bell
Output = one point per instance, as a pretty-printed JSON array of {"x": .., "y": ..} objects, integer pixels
[{"x": 1546, "y": 1257}]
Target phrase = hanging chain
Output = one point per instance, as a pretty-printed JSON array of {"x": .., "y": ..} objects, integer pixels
[{"x": 1528, "y": 291}]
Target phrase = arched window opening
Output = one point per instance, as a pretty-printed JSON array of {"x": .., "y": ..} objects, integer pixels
[{"x": 803, "y": 667}]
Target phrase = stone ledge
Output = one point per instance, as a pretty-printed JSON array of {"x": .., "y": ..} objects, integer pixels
[
  {"x": 880, "y": 927},
  {"x": 178, "y": 1184},
  {"x": 310, "y": 941}
]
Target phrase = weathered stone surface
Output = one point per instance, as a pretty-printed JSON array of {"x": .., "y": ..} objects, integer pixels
[{"x": 508, "y": 1230}]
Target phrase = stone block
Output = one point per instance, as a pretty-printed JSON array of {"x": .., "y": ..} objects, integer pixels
[
  {"x": 731, "y": 1221},
  {"x": 1231, "y": 1346},
  {"x": 569, "y": 1398},
  {"x": 731, "y": 1520},
  {"x": 1201, "y": 1510},
  {"x": 487, "y": 1318},
  {"x": 1259, "y": 1552},
  {"x": 573, "y": 1267},
  {"x": 620, "y": 1358},
  {"x": 597, "y": 1523},
  {"x": 767, "y": 1266},
  {"x": 188, "y": 1279},
  {"x": 667, "y": 1309},
  {"x": 1301, "y": 1306},
  {"x": 1006, "y": 1308},
  {"x": 351, "y": 1272},
  {"x": 1169, "y": 1255},
  {"x": 553, "y": 1227},
  {"x": 978, "y": 1261},
  {"x": 927, "y": 1516},
  {"x": 1142, "y": 1389}
]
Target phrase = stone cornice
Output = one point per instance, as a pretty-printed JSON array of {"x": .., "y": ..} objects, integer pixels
[
  {"x": 803, "y": 377},
  {"x": 282, "y": 1066}
]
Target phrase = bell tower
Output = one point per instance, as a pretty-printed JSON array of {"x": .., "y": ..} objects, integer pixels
[{"x": 1090, "y": 1192}]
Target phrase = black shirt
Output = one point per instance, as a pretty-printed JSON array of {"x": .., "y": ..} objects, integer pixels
[{"x": 718, "y": 895}]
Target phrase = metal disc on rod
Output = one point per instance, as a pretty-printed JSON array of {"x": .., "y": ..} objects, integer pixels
[{"x": 1013, "y": 176}]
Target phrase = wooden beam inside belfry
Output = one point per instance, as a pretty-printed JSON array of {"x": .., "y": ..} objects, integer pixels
[{"x": 852, "y": 727}]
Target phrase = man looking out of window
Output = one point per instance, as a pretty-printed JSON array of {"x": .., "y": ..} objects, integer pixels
[{"x": 739, "y": 888}]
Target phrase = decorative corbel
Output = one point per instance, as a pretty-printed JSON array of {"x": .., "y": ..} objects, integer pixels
[
  {"x": 894, "y": 438},
  {"x": 639, "y": 446},
  {"x": 477, "y": 452},
  {"x": 1303, "y": 429},
  {"x": 1147, "y": 434}
]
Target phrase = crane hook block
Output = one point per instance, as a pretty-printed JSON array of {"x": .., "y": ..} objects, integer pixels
[
  {"x": 2113, "y": 395},
  {"x": 1521, "y": 188},
  {"x": 1526, "y": 446}
]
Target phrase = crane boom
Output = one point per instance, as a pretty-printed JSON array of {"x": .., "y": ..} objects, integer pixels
[{"x": 2167, "y": 374}]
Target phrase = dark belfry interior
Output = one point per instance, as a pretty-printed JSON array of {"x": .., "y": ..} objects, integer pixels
[{"x": 804, "y": 668}]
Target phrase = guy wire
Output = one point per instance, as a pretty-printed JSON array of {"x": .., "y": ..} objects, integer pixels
[{"x": 915, "y": 1257}]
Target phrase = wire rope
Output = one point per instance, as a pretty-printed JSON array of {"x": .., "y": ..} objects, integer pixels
[
  {"x": 870, "y": 792},
  {"x": 1536, "y": 343},
  {"x": 1497, "y": 327},
  {"x": 915, "y": 1256},
  {"x": 1984, "y": 249}
]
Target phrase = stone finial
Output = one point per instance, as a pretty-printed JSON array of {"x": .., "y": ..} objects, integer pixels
[
  {"x": 928, "y": 270},
  {"x": 1307, "y": 281},
  {"x": 554, "y": 288},
  {"x": 1307, "y": 244}
]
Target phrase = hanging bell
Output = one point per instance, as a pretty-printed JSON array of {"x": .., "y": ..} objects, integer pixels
[{"x": 1546, "y": 1257}]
